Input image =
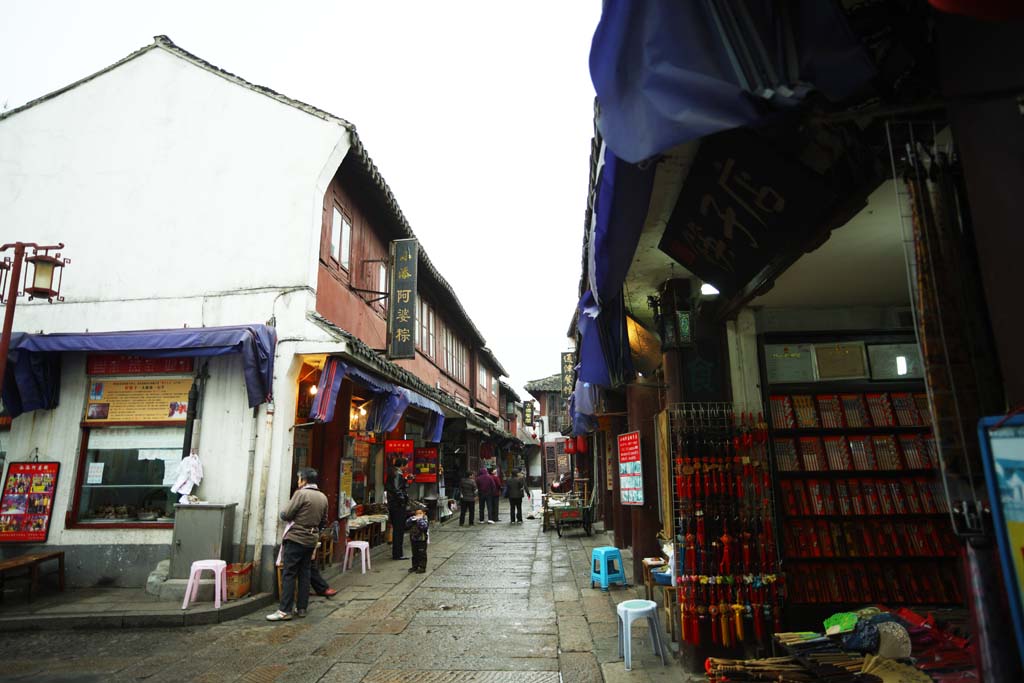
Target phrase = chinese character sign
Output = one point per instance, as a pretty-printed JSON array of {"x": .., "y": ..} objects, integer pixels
[
  {"x": 568, "y": 361},
  {"x": 744, "y": 204},
  {"x": 631, "y": 476},
  {"x": 402, "y": 301},
  {"x": 528, "y": 413},
  {"x": 399, "y": 448},
  {"x": 26, "y": 504}
]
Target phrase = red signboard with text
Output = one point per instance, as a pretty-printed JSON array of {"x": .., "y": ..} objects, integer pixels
[
  {"x": 26, "y": 504},
  {"x": 120, "y": 364},
  {"x": 399, "y": 448},
  {"x": 425, "y": 466},
  {"x": 631, "y": 476}
]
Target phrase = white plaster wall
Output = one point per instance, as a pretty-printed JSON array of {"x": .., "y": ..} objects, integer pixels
[{"x": 166, "y": 180}]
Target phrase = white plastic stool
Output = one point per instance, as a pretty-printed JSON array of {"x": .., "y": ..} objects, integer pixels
[
  {"x": 220, "y": 581},
  {"x": 364, "y": 554},
  {"x": 628, "y": 612}
]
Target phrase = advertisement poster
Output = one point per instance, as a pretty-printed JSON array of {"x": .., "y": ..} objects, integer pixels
[
  {"x": 26, "y": 504},
  {"x": 631, "y": 477},
  {"x": 425, "y": 466},
  {"x": 137, "y": 400},
  {"x": 399, "y": 448},
  {"x": 344, "y": 488}
]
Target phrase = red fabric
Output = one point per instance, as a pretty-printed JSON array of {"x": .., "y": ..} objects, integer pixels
[{"x": 989, "y": 10}]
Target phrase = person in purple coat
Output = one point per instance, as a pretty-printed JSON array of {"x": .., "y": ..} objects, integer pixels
[{"x": 487, "y": 488}]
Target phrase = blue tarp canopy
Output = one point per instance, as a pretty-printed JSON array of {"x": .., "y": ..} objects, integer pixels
[
  {"x": 667, "y": 72},
  {"x": 32, "y": 380},
  {"x": 387, "y": 407}
]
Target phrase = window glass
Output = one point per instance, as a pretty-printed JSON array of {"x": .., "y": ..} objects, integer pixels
[
  {"x": 430, "y": 333},
  {"x": 336, "y": 221},
  {"x": 127, "y": 474},
  {"x": 483, "y": 376},
  {"x": 346, "y": 242},
  {"x": 494, "y": 386}
]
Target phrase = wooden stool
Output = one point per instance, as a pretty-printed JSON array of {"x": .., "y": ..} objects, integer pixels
[{"x": 649, "y": 564}]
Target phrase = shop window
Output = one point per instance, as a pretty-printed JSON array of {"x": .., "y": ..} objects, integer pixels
[
  {"x": 126, "y": 474},
  {"x": 341, "y": 238}
]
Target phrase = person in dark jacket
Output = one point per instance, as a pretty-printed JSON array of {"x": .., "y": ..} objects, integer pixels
[
  {"x": 398, "y": 497},
  {"x": 419, "y": 533},
  {"x": 492, "y": 509},
  {"x": 468, "y": 491},
  {"x": 486, "y": 488},
  {"x": 306, "y": 514},
  {"x": 516, "y": 490}
]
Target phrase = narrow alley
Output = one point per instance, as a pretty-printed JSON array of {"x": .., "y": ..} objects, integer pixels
[{"x": 498, "y": 603}]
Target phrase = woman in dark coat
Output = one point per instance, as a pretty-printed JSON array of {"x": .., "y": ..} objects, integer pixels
[{"x": 468, "y": 491}]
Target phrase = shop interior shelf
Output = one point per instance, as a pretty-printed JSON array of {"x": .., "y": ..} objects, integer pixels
[
  {"x": 853, "y": 474},
  {"x": 125, "y": 486},
  {"x": 873, "y": 558},
  {"x": 852, "y": 518},
  {"x": 849, "y": 431}
]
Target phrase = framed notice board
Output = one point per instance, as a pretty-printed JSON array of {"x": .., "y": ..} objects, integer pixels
[{"x": 26, "y": 504}]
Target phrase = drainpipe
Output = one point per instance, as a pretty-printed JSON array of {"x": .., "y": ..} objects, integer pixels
[
  {"x": 247, "y": 510},
  {"x": 261, "y": 509}
]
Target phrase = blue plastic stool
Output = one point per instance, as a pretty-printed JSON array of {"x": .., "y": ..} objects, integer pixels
[
  {"x": 628, "y": 612},
  {"x": 606, "y": 567}
]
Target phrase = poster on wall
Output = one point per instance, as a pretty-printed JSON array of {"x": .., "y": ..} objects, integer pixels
[
  {"x": 344, "y": 487},
  {"x": 137, "y": 400},
  {"x": 399, "y": 448},
  {"x": 425, "y": 466},
  {"x": 631, "y": 477},
  {"x": 26, "y": 504}
]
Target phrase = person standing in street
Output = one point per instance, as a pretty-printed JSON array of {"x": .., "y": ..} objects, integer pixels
[
  {"x": 516, "y": 490},
  {"x": 397, "y": 489},
  {"x": 468, "y": 491},
  {"x": 486, "y": 487},
  {"x": 492, "y": 513},
  {"x": 306, "y": 514},
  {"x": 419, "y": 534}
]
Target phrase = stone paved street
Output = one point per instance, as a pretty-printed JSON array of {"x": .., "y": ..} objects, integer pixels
[{"x": 498, "y": 603}]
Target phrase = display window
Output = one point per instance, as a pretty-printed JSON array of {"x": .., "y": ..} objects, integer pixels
[{"x": 125, "y": 476}]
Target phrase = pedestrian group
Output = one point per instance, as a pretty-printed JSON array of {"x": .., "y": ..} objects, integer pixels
[{"x": 487, "y": 488}]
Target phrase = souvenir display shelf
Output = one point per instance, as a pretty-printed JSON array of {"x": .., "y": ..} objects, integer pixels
[
  {"x": 726, "y": 569},
  {"x": 861, "y": 512}
]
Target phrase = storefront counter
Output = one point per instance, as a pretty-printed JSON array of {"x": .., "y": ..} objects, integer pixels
[{"x": 369, "y": 528}]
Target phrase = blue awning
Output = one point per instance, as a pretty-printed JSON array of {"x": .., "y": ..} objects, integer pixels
[
  {"x": 387, "y": 406},
  {"x": 667, "y": 72},
  {"x": 32, "y": 380}
]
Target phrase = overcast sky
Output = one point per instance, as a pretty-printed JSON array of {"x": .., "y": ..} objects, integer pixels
[{"x": 478, "y": 114}]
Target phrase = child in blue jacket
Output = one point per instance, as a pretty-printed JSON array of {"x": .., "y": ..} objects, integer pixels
[{"x": 418, "y": 526}]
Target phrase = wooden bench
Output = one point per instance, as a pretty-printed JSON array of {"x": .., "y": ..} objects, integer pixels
[{"x": 30, "y": 563}]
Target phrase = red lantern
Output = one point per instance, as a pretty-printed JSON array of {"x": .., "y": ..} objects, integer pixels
[{"x": 570, "y": 445}]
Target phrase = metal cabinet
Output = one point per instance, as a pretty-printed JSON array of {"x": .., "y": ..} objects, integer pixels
[{"x": 201, "y": 532}]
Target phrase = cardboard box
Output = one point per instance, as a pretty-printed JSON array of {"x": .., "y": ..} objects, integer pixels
[{"x": 239, "y": 580}]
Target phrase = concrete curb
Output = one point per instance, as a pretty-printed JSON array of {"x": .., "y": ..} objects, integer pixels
[{"x": 194, "y": 616}]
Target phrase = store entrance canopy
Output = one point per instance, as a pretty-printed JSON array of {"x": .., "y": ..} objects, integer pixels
[
  {"x": 388, "y": 405},
  {"x": 32, "y": 380}
]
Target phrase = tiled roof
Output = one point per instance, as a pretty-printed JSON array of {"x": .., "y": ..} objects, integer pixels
[
  {"x": 399, "y": 223},
  {"x": 552, "y": 383},
  {"x": 493, "y": 360}
]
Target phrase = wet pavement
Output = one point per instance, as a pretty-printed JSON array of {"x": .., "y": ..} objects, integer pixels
[{"x": 499, "y": 603}]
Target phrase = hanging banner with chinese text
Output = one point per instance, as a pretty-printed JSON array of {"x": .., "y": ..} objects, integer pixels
[
  {"x": 425, "y": 466},
  {"x": 631, "y": 476},
  {"x": 568, "y": 360},
  {"x": 399, "y": 448},
  {"x": 743, "y": 205},
  {"x": 402, "y": 299},
  {"x": 528, "y": 414},
  {"x": 138, "y": 400},
  {"x": 121, "y": 364},
  {"x": 26, "y": 504}
]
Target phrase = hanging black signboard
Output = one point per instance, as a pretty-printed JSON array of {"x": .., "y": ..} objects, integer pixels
[
  {"x": 528, "y": 413},
  {"x": 568, "y": 361},
  {"x": 402, "y": 299},
  {"x": 743, "y": 205}
]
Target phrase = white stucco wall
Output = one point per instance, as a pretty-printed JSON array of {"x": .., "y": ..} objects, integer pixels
[{"x": 166, "y": 180}]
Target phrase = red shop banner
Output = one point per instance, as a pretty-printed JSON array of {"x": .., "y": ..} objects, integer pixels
[
  {"x": 399, "y": 448},
  {"x": 26, "y": 504},
  {"x": 425, "y": 466},
  {"x": 631, "y": 477},
  {"x": 119, "y": 364}
]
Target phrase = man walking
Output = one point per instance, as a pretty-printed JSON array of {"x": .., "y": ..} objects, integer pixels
[
  {"x": 398, "y": 498},
  {"x": 516, "y": 490},
  {"x": 486, "y": 487},
  {"x": 467, "y": 487},
  {"x": 306, "y": 514}
]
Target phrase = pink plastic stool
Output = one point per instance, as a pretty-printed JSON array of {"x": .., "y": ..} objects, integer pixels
[
  {"x": 220, "y": 581},
  {"x": 364, "y": 554}
]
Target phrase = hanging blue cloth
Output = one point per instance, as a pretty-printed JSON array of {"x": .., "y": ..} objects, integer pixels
[
  {"x": 327, "y": 389},
  {"x": 667, "y": 72}
]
